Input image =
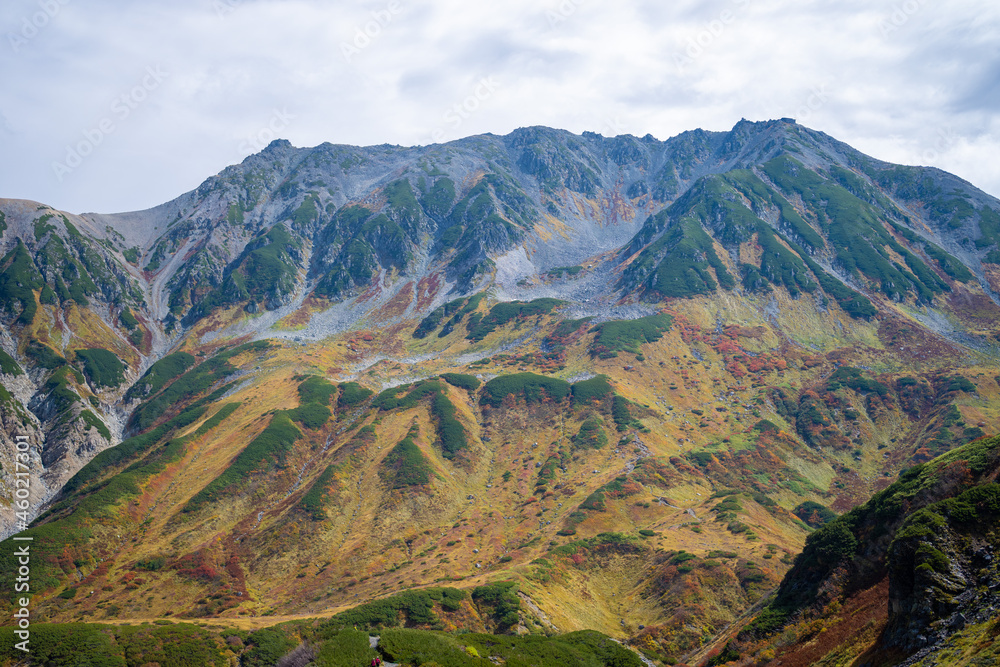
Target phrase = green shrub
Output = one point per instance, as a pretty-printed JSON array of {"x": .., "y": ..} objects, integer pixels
[
  {"x": 347, "y": 648},
  {"x": 851, "y": 377},
  {"x": 44, "y": 356},
  {"x": 766, "y": 426},
  {"x": 405, "y": 465},
  {"x": 352, "y": 393},
  {"x": 831, "y": 543},
  {"x": 462, "y": 381},
  {"x": 418, "y": 647},
  {"x": 267, "y": 266},
  {"x": 313, "y": 502},
  {"x": 18, "y": 279},
  {"x": 413, "y": 607},
  {"x": 58, "y": 387},
  {"x": 93, "y": 421},
  {"x": 66, "y": 644},
  {"x": 628, "y": 335},
  {"x": 854, "y": 229},
  {"x": 814, "y": 514},
  {"x": 438, "y": 200},
  {"x": 567, "y": 328},
  {"x": 8, "y": 365},
  {"x": 189, "y": 384},
  {"x": 621, "y": 413},
  {"x": 267, "y": 647},
  {"x": 152, "y": 564},
  {"x": 504, "y": 313},
  {"x": 929, "y": 557},
  {"x": 127, "y": 319},
  {"x": 591, "y": 434},
  {"x": 160, "y": 373},
  {"x": 533, "y": 388},
  {"x": 501, "y": 602},
  {"x": 315, "y": 389},
  {"x": 681, "y": 262},
  {"x": 587, "y": 391},
  {"x": 310, "y": 415},
  {"x": 102, "y": 367},
  {"x": 960, "y": 383},
  {"x": 451, "y": 433}
]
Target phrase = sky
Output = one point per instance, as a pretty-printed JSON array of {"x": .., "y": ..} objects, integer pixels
[{"x": 121, "y": 105}]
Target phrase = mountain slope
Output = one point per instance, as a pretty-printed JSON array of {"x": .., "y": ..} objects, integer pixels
[
  {"x": 914, "y": 566},
  {"x": 635, "y": 371}
]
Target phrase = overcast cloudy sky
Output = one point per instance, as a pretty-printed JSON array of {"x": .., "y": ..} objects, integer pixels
[{"x": 121, "y": 105}]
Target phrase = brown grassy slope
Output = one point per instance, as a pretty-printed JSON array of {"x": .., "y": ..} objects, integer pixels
[{"x": 701, "y": 388}]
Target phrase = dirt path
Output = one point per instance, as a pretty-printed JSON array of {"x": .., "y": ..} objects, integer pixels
[{"x": 373, "y": 642}]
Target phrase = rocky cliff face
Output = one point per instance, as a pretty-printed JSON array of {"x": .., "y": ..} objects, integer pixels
[{"x": 926, "y": 545}]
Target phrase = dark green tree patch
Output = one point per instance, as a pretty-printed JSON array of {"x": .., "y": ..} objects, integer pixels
[
  {"x": 44, "y": 356},
  {"x": 93, "y": 421},
  {"x": 352, "y": 393},
  {"x": 313, "y": 502},
  {"x": 462, "y": 381},
  {"x": 628, "y": 335},
  {"x": 814, "y": 514},
  {"x": 102, "y": 367},
  {"x": 310, "y": 415},
  {"x": 18, "y": 280},
  {"x": 451, "y": 433},
  {"x": 591, "y": 434},
  {"x": 315, "y": 389},
  {"x": 852, "y": 377},
  {"x": 8, "y": 365},
  {"x": 529, "y": 386},
  {"x": 405, "y": 465},
  {"x": 504, "y": 313},
  {"x": 160, "y": 373},
  {"x": 586, "y": 392},
  {"x": 500, "y": 601}
]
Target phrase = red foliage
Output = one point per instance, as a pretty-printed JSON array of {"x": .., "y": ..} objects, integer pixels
[{"x": 196, "y": 566}]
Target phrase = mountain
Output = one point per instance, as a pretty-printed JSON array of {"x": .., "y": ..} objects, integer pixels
[{"x": 635, "y": 372}]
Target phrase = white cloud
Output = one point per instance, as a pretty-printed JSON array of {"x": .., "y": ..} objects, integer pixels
[{"x": 890, "y": 77}]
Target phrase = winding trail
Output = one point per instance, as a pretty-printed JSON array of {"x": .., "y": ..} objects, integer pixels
[{"x": 373, "y": 642}]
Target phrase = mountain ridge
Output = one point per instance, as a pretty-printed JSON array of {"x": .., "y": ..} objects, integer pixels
[{"x": 641, "y": 369}]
